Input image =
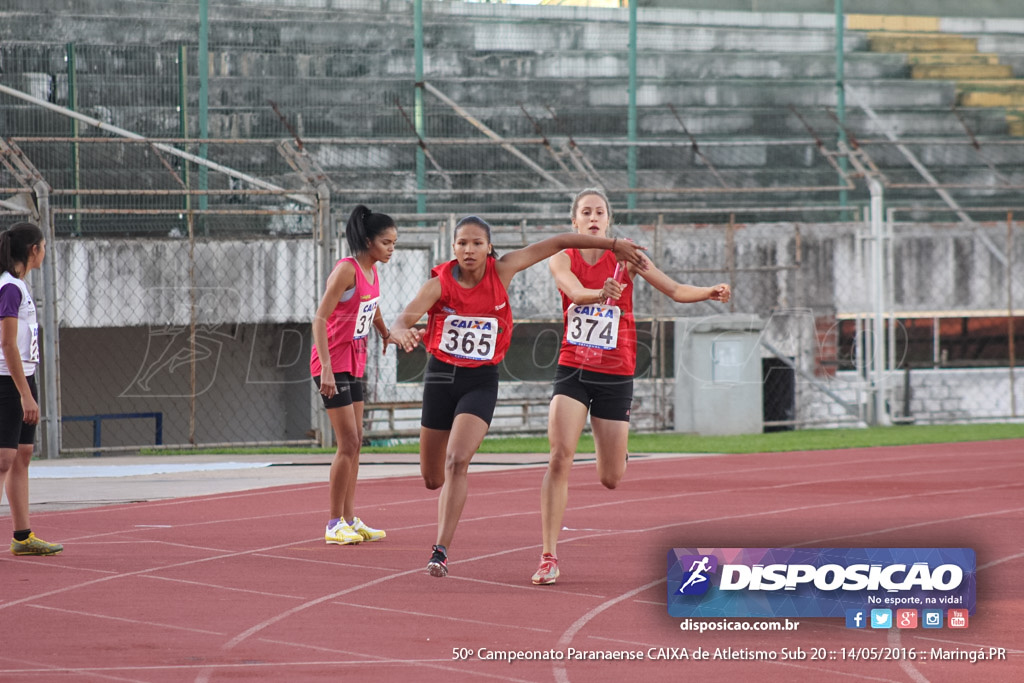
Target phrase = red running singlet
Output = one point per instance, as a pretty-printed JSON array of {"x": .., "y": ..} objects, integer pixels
[
  {"x": 470, "y": 327},
  {"x": 349, "y": 325},
  {"x": 581, "y": 324}
]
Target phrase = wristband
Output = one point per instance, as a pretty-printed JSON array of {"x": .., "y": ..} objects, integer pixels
[{"x": 613, "y": 244}]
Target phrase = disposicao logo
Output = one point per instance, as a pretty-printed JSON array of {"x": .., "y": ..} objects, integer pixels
[
  {"x": 696, "y": 580},
  {"x": 818, "y": 582}
]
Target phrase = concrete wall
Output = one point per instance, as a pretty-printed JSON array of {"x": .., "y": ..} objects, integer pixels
[
  {"x": 125, "y": 344},
  {"x": 961, "y": 394},
  {"x": 132, "y": 282},
  {"x": 936, "y": 396},
  {"x": 252, "y": 383}
]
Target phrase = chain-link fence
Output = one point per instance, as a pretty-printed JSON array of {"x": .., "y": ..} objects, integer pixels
[
  {"x": 179, "y": 337},
  {"x": 194, "y": 329}
]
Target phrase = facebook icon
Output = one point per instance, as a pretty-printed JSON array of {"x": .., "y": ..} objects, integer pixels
[{"x": 856, "y": 618}]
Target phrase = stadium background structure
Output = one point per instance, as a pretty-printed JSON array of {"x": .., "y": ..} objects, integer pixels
[{"x": 175, "y": 280}]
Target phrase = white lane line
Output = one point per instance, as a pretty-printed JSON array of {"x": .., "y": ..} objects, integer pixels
[
  {"x": 895, "y": 642},
  {"x": 443, "y": 617},
  {"x": 94, "y": 615},
  {"x": 203, "y": 584}
]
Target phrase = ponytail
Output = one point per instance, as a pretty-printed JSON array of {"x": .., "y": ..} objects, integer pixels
[
  {"x": 363, "y": 227},
  {"x": 15, "y": 246}
]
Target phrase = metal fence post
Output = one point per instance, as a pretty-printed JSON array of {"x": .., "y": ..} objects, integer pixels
[
  {"x": 1010, "y": 313},
  {"x": 186, "y": 200},
  {"x": 880, "y": 416},
  {"x": 204, "y": 104},
  {"x": 76, "y": 163},
  {"x": 324, "y": 262},
  {"x": 841, "y": 102},
  {"x": 50, "y": 322},
  {"x": 631, "y": 121},
  {"x": 418, "y": 115}
]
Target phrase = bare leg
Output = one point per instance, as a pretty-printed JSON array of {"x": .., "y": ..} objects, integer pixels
[
  {"x": 433, "y": 446},
  {"x": 566, "y": 419},
  {"x": 348, "y": 434},
  {"x": 16, "y": 485},
  {"x": 467, "y": 434},
  {"x": 7, "y": 456},
  {"x": 348, "y": 509},
  {"x": 611, "y": 439}
]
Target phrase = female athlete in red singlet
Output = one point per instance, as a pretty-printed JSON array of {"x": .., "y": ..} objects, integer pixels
[
  {"x": 596, "y": 362},
  {"x": 467, "y": 335},
  {"x": 341, "y": 329}
]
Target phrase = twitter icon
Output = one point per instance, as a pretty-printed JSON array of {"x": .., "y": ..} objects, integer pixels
[{"x": 881, "y": 618}]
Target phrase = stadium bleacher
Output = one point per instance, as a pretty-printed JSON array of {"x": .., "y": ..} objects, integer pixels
[{"x": 722, "y": 77}]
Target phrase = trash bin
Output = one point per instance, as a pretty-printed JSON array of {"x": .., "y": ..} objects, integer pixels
[
  {"x": 779, "y": 394},
  {"x": 718, "y": 375}
]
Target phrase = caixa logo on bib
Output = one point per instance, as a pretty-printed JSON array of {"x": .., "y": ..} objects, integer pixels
[{"x": 816, "y": 582}]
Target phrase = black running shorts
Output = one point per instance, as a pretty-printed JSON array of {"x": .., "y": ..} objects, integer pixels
[
  {"x": 13, "y": 430},
  {"x": 608, "y": 397},
  {"x": 449, "y": 390},
  {"x": 350, "y": 390}
]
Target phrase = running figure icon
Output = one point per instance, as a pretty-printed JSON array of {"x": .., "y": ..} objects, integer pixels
[{"x": 697, "y": 573}]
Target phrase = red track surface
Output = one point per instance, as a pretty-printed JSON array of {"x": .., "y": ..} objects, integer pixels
[{"x": 242, "y": 587}]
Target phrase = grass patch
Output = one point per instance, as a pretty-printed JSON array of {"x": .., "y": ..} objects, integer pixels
[{"x": 775, "y": 442}]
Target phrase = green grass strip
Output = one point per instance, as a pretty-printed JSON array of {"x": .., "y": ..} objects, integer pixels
[{"x": 775, "y": 442}]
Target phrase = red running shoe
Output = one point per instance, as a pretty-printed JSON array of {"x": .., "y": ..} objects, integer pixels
[{"x": 547, "y": 572}]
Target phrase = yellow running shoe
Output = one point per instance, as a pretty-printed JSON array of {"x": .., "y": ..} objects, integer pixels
[
  {"x": 342, "y": 534},
  {"x": 34, "y": 546},
  {"x": 367, "y": 532}
]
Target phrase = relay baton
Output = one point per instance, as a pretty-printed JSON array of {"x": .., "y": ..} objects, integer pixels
[{"x": 615, "y": 276}]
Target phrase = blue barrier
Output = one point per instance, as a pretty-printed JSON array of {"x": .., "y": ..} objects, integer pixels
[{"x": 97, "y": 422}]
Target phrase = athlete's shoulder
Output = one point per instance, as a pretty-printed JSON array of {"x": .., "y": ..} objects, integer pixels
[
  {"x": 443, "y": 268},
  {"x": 347, "y": 265}
]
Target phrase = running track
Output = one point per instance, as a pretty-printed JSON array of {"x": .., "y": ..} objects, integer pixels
[{"x": 241, "y": 587}]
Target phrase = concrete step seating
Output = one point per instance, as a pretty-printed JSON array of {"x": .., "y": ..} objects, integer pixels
[
  {"x": 982, "y": 80},
  {"x": 328, "y": 73}
]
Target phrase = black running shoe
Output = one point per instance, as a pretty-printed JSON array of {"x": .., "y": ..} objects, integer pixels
[{"x": 438, "y": 565}]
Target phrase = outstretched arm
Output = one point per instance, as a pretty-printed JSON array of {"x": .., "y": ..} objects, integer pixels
[
  {"x": 402, "y": 331},
  {"x": 685, "y": 294},
  {"x": 521, "y": 259}
]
